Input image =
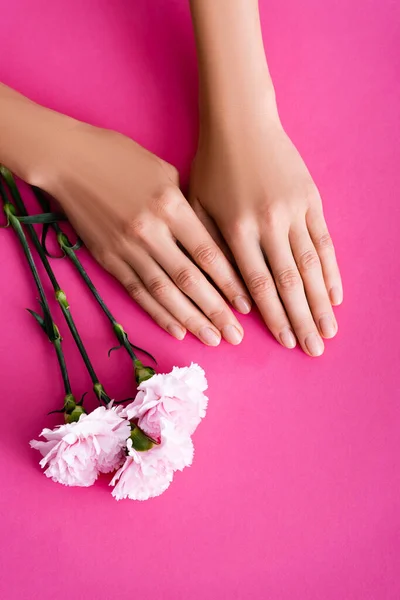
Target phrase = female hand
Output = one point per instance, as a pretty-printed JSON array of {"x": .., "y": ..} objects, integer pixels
[
  {"x": 249, "y": 180},
  {"x": 126, "y": 205}
]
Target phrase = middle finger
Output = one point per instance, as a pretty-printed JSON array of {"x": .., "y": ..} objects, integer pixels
[
  {"x": 189, "y": 279},
  {"x": 291, "y": 290},
  {"x": 309, "y": 266}
]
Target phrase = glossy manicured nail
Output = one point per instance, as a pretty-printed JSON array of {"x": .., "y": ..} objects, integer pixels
[
  {"x": 209, "y": 336},
  {"x": 287, "y": 338},
  {"x": 176, "y": 331},
  {"x": 336, "y": 295},
  {"x": 314, "y": 344},
  {"x": 242, "y": 304},
  {"x": 328, "y": 326},
  {"x": 232, "y": 334}
]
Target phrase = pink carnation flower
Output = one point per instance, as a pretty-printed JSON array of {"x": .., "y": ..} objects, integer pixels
[
  {"x": 143, "y": 475},
  {"x": 177, "y": 396},
  {"x": 77, "y": 452},
  {"x": 176, "y": 447},
  {"x": 148, "y": 474}
]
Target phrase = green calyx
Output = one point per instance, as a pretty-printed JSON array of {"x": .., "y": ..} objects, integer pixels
[
  {"x": 140, "y": 441},
  {"x": 75, "y": 415},
  {"x": 72, "y": 410},
  {"x": 100, "y": 392},
  {"x": 142, "y": 373}
]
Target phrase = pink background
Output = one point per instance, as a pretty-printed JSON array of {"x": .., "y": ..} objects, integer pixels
[{"x": 294, "y": 492}]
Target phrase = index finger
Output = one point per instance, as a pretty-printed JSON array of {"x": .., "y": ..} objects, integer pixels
[
  {"x": 252, "y": 265},
  {"x": 194, "y": 237}
]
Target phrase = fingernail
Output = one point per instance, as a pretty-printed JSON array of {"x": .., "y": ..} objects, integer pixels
[
  {"x": 232, "y": 334},
  {"x": 209, "y": 337},
  {"x": 287, "y": 338},
  {"x": 336, "y": 295},
  {"x": 176, "y": 331},
  {"x": 242, "y": 304},
  {"x": 314, "y": 344},
  {"x": 327, "y": 326}
]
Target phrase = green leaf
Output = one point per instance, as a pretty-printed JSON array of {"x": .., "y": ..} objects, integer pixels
[
  {"x": 44, "y": 218},
  {"x": 45, "y": 231},
  {"x": 38, "y": 318},
  {"x": 112, "y": 350}
]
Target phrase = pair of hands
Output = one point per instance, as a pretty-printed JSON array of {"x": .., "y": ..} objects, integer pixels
[{"x": 251, "y": 198}]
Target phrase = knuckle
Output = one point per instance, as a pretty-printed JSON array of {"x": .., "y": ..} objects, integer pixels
[
  {"x": 166, "y": 202},
  {"x": 186, "y": 279},
  {"x": 172, "y": 172},
  {"x": 229, "y": 285},
  {"x": 324, "y": 241},
  {"x": 191, "y": 323},
  {"x": 288, "y": 279},
  {"x": 103, "y": 258},
  {"x": 312, "y": 194},
  {"x": 135, "y": 228},
  {"x": 271, "y": 217},
  {"x": 237, "y": 229},
  {"x": 260, "y": 284},
  {"x": 308, "y": 260},
  {"x": 205, "y": 255},
  {"x": 136, "y": 291},
  {"x": 158, "y": 288},
  {"x": 216, "y": 314}
]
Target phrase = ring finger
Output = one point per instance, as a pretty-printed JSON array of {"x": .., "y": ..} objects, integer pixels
[
  {"x": 192, "y": 283},
  {"x": 167, "y": 294},
  {"x": 291, "y": 290},
  {"x": 309, "y": 266}
]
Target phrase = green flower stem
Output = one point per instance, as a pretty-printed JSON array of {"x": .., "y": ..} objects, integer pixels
[
  {"x": 67, "y": 247},
  {"x": 63, "y": 366},
  {"x": 117, "y": 328},
  {"x": 52, "y": 333},
  {"x": 60, "y": 295}
]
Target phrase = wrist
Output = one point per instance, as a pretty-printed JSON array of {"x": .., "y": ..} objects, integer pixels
[
  {"x": 32, "y": 138},
  {"x": 234, "y": 80},
  {"x": 252, "y": 105}
]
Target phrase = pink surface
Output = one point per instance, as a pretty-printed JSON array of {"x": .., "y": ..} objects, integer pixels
[{"x": 294, "y": 492}]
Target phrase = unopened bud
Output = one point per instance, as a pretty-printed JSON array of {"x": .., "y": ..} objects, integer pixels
[
  {"x": 62, "y": 299},
  {"x": 119, "y": 332},
  {"x": 62, "y": 239}
]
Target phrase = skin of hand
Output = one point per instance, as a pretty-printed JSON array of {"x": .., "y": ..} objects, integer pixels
[
  {"x": 250, "y": 186},
  {"x": 254, "y": 185},
  {"x": 126, "y": 205}
]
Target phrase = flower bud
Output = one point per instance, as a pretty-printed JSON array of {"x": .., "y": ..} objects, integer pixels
[
  {"x": 142, "y": 373},
  {"x": 119, "y": 332},
  {"x": 62, "y": 299},
  {"x": 62, "y": 239},
  {"x": 9, "y": 210},
  {"x": 140, "y": 441}
]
